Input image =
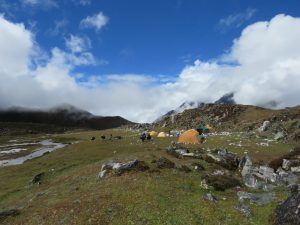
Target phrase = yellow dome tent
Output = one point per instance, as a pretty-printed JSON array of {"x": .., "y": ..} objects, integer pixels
[
  {"x": 162, "y": 134},
  {"x": 153, "y": 133},
  {"x": 189, "y": 137}
]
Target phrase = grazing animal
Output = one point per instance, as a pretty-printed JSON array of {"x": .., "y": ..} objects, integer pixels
[
  {"x": 103, "y": 137},
  {"x": 93, "y": 138}
]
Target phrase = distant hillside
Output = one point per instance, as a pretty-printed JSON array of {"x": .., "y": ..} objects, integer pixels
[
  {"x": 226, "y": 117},
  {"x": 225, "y": 99},
  {"x": 62, "y": 116}
]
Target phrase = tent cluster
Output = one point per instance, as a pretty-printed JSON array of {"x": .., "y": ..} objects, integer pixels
[
  {"x": 192, "y": 136},
  {"x": 195, "y": 136}
]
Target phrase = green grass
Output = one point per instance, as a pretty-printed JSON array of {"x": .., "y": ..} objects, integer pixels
[{"x": 74, "y": 195}]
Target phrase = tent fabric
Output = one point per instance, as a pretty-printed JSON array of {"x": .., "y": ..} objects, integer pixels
[
  {"x": 153, "y": 133},
  {"x": 189, "y": 137},
  {"x": 162, "y": 134}
]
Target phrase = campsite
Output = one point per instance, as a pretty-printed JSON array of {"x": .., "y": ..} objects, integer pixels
[
  {"x": 170, "y": 179},
  {"x": 149, "y": 112}
]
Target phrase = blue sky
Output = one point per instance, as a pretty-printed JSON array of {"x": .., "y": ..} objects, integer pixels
[
  {"x": 135, "y": 47},
  {"x": 149, "y": 36}
]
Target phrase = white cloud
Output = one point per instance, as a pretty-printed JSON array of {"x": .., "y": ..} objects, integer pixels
[
  {"x": 78, "y": 44},
  {"x": 263, "y": 65},
  {"x": 97, "y": 21},
  {"x": 237, "y": 19},
  {"x": 40, "y": 3},
  {"x": 59, "y": 27}
]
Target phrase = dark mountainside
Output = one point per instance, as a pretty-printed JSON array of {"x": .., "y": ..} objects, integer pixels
[{"x": 65, "y": 117}]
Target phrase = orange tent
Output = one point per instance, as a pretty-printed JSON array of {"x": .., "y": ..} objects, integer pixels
[{"x": 189, "y": 137}]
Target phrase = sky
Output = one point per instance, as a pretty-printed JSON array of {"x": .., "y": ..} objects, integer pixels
[{"x": 141, "y": 58}]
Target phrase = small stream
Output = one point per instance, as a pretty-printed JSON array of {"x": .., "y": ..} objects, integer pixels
[{"x": 48, "y": 146}]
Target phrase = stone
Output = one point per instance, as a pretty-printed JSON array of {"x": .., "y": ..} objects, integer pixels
[
  {"x": 119, "y": 168},
  {"x": 279, "y": 136},
  {"x": 209, "y": 197},
  {"x": 163, "y": 162},
  {"x": 288, "y": 212},
  {"x": 265, "y": 126},
  {"x": 244, "y": 209},
  {"x": 257, "y": 198},
  {"x": 224, "y": 158},
  {"x": 37, "y": 178},
  {"x": 295, "y": 169},
  {"x": 221, "y": 182},
  {"x": 11, "y": 212}
]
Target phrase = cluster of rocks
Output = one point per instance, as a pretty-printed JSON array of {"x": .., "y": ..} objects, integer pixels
[
  {"x": 264, "y": 177},
  {"x": 118, "y": 168},
  {"x": 223, "y": 157},
  {"x": 180, "y": 152}
]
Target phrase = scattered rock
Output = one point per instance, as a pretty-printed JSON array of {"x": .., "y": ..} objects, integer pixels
[
  {"x": 209, "y": 197},
  {"x": 163, "y": 162},
  {"x": 221, "y": 182},
  {"x": 279, "y": 136},
  {"x": 119, "y": 168},
  {"x": 37, "y": 178},
  {"x": 224, "y": 158},
  {"x": 288, "y": 212},
  {"x": 11, "y": 212},
  {"x": 265, "y": 126},
  {"x": 244, "y": 209},
  {"x": 257, "y": 198}
]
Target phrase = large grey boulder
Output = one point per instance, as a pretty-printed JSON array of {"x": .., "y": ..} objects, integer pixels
[
  {"x": 119, "y": 168},
  {"x": 288, "y": 212},
  {"x": 257, "y": 198},
  {"x": 265, "y": 126}
]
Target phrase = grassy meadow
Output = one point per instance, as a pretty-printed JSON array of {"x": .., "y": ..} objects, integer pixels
[{"x": 71, "y": 193}]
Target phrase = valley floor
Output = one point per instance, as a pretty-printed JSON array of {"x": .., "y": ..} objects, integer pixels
[{"x": 70, "y": 191}]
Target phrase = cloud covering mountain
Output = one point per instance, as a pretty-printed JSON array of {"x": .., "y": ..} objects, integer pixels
[{"x": 262, "y": 65}]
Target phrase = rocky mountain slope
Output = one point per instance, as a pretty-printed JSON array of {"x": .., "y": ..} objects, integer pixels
[{"x": 234, "y": 117}]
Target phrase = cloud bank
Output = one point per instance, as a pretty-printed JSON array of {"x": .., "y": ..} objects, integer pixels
[{"x": 262, "y": 66}]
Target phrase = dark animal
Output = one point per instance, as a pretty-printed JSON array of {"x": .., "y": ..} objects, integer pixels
[
  {"x": 143, "y": 136},
  {"x": 37, "y": 178},
  {"x": 103, "y": 137},
  {"x": 93, "y": 138}
]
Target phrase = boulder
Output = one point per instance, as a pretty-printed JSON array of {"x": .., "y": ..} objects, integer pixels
[
  {"x": 209, "y": 197},
  {"x": 11, "y": 212},
  {"x": 37, "y": 178},
  {"x": 279, "y": 136},
  {"x": 265, "y": 126},
  {"x": 244, "y": 209},
  {"x": 224, "y": 158},
  {"x": 163, "y": 162},
  {"x": 288, "y": 212},
  {"x": 257, "y": 198},
  {"x": 221, "y": 182},
  {"x": 119, "y": 168}
]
